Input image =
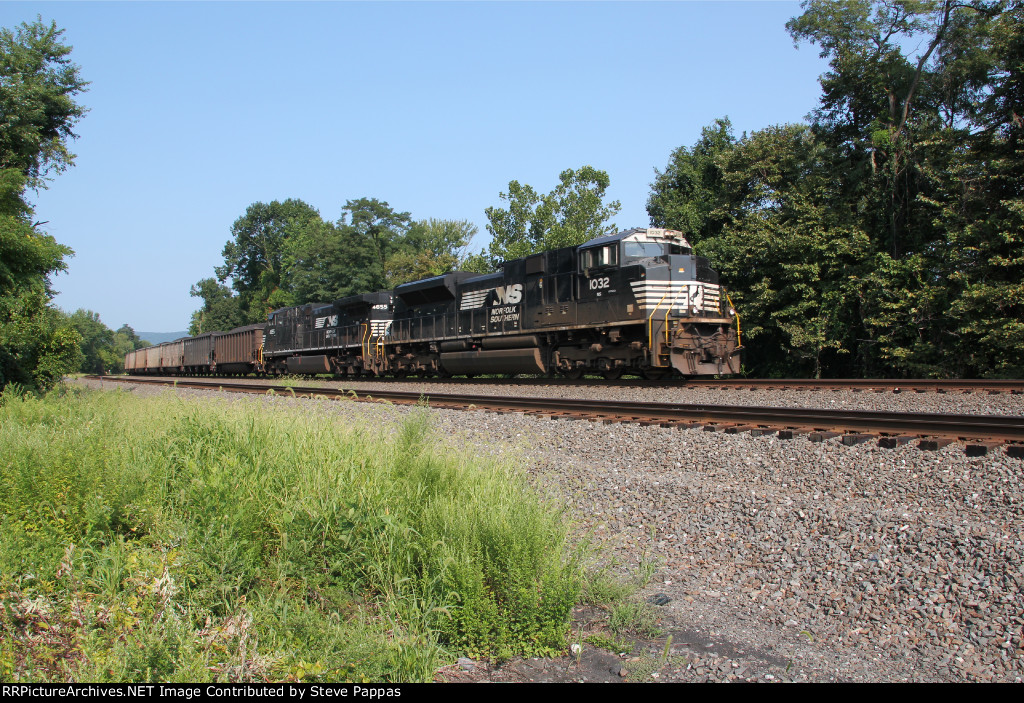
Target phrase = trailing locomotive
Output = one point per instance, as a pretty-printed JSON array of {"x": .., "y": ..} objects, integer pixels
[{"x": 634, "y": 302}]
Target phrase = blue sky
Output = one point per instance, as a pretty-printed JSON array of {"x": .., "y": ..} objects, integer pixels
[{"x": 199, "y": 109}]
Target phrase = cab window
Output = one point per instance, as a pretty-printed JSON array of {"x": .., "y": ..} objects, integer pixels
[
  {"x": 643, "y": 250},
  {"x": 601, "y": 256}
]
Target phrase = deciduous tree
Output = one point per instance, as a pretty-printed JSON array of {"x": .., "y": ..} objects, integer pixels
[
  {"x": 685, "y": 195},
  {"x": 572, "y": 213},
  {"x": 38, "y": 112},
  {"x": 254, "y": 257},
  {"x": 221, "y": 310}
]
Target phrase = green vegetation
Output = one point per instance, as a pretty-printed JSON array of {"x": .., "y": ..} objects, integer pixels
[
  {"x": 886, "y": 238},
  {"x": 103, "y": 350},
  {"x": 38, "y": 87},
  {"x": 161, "y": 539},
  {"x": 571, "y": 214},
  {"x": 284, "y": 253}
]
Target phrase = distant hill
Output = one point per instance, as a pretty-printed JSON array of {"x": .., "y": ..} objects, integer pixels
[{"x": 161, "y": 337}]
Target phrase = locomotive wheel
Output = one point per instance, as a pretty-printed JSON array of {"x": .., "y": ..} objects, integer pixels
[
  {"x": 573, "y": 374},
  {"x": 612, "y": 374}
]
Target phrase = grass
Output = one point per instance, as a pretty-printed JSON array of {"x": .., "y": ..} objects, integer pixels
[{"x": 166, "y": 539}]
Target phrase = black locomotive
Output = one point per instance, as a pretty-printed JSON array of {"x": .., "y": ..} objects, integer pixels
[{"x": 634, "y": 302}]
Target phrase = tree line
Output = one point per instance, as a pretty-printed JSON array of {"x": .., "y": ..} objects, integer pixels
[
  {"x": 885, "y": 237},
  {"x": 284, "y": 253}
]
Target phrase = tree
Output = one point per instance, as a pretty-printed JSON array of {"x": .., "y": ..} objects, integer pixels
[
  {"x": 131, "y": 337},
  {"x": 38, "y": 345},
  {"x": 28, "y": 257},
  {"x": 430, "y": 248},
  {"x": 221, "y": 310},
  {"x": 574, "y": 212},
  {"x": 919, "y": 102},
  {"x": 685, "y": 195},
  {"x": 378, "y": 223},
  {"x": 97, "y": 341},
  {"x": 38, "y": 112},
  {"x": 38, "y": 86},
  {"x": 446, "y": 239},
  {"x": 124, "y": 341},
  {"x": 327, "y": 261},
  {"x": 571, "y": 214},
  {"x": 794, "y": 262},
  {"x": 254, "y": 258},
  {"x": 284, "y": 254}
]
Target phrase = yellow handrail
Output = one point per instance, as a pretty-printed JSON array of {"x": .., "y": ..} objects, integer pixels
[
  {"x": 650, "y": 321},
  {"x": 668, "y": 312},
  {"x": 739, "y": 336}
]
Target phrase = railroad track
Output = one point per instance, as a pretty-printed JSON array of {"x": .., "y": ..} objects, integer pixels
[
  {"x": 979, "y": 433},
  {"x": 856, "y": 385}
]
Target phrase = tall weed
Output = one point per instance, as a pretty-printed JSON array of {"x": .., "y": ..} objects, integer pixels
[{"x": 185, "y": 539}]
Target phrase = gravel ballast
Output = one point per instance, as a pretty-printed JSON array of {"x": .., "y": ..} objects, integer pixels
[{"x": 780, "y": 559}]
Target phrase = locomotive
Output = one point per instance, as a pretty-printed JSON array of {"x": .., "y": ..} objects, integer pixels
[{"x": 637, "y": 302}]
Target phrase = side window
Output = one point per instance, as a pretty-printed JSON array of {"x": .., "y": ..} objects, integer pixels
[
  {"x": 609, "y": 255},
  {"x": 601, "y": 256},
  {"x": 588, "y": 259}
]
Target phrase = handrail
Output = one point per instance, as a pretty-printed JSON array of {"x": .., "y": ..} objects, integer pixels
[
  {"x": 668, "y": 311},
  {"x": 739, "y": 336},
  {"x": 685, "y": 289},
  {"x": 650, "y": 321}
]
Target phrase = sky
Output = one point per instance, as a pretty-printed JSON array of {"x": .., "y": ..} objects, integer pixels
[{"x": 199, "y": 109}]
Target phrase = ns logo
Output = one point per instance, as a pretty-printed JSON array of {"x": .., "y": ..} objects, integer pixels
[{"x": 509, "y": 295}]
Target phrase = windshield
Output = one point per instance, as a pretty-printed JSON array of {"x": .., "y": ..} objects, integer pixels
[
  {"x": 643, "y": 250},
  {"x": 651, "y": 250}
]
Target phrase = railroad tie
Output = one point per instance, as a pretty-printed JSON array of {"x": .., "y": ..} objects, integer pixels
[
  {"x": 980, "y": 448},
  {"x": 856, "y": 438},
  {"x": 933, "y": 443},
  {"x": 895, "y": 441}
]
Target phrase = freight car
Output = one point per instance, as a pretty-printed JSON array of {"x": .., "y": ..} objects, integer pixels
[{"x": 635, "y": 302}]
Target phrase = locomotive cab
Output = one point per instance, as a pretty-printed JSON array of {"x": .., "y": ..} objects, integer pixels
[{"x": 651, "y": 276}]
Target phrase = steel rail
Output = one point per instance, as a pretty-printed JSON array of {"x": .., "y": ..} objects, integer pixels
[
  {"x": 869, "y": 384},
  {"x": 875, "y": 385},
  {"x": 1004, "y": 428}
]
